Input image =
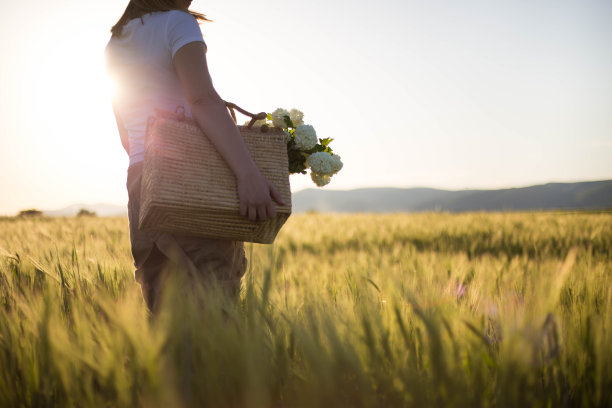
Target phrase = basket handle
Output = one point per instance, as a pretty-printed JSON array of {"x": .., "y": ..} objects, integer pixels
[{"x": 254, "y": 117}]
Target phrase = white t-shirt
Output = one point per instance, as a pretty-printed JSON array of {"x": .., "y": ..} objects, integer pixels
[{"x": 140, "y": 63}]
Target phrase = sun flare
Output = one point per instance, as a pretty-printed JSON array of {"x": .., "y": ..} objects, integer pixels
[{"x": 69, "y": 97}]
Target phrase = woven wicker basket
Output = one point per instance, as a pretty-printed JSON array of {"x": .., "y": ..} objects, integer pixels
[{"x": 188, "y": 189}]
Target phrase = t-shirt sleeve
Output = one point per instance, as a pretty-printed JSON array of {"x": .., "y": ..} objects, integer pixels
[{"x": 182, "y": 29}]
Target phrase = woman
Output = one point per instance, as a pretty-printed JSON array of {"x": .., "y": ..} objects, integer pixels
[{"x": 157, "y": 58}]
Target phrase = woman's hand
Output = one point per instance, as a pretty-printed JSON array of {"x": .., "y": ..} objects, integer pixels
[
  {"x": 256, "y": 195},
  {"x": 255, "y": 192}
]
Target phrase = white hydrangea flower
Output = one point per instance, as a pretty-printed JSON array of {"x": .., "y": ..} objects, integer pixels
[
  {"x": 297, "y": 117},
  {"x": 322, "y": 163},
  {"x": 305, "y": 137},
  {"x": 336, "y": 163},
  {"x": 278, "y": 119},
  {"x": 320, "y": 179}
]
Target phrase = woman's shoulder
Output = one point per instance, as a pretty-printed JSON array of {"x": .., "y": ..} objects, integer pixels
[
  {"x": 170, "y": 14},
  {"x": 176, "y": 12},
  {"x": 164, "y": 23},
  {"x": 160, "y": 16},
  {"x": 178, "y": 15}
]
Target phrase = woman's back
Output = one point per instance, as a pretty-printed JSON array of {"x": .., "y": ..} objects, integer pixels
[{"x": 140, "y": 62}]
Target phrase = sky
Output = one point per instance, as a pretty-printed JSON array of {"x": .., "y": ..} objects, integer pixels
[{"x": 438, "y": 93}]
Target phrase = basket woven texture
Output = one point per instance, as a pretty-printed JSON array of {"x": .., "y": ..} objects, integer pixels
[{"x": 188, "y": 189}]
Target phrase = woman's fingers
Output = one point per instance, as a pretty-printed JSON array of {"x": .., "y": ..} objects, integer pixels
[
  {"x": 252, "y": 213},
  {"x": 257, "y": 197},
  {"x": 271, "y": 210},
  {"x": 262, "y": 213},
  {"x": 275, "y": 194},
  {"x": 258, "y": 212},
  {"x": 243, "y": 208}
]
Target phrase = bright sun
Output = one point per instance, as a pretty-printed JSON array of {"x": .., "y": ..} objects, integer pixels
[{"x": 69, "y": 96}]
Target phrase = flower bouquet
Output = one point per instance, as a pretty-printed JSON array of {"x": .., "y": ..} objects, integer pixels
[{"x": 304, "y": 149}]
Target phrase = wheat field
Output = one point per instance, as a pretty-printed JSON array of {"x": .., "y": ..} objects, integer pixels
[{"x": 402, "y": 310}]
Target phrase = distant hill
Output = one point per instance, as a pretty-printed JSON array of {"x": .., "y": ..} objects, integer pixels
[
  {"x": 592, "y": 195},
  {"x": 101, "y": 209}
]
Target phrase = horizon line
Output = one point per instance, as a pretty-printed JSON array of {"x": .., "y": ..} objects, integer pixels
[{"x": 84, "y": 204}]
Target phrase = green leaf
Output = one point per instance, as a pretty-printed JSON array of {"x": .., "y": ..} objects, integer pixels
[
  {"x": 269, "y": 116},
  {"x": 317, "y": 148},
  {"x": 326, "y": 141},
  {"x": 297, "y": 161},
  {"x": 288, "y": 121}
]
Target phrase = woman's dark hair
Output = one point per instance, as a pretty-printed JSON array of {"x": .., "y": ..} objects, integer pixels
[{"x": 138, "y": 8}]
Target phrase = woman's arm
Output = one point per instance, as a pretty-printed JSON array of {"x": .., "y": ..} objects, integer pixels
[
  {"x": 122, "y": 130},
  {"x": 208, "y": 109}
]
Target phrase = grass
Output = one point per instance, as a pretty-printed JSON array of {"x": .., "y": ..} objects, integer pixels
[{"x": 501, "y": 309}]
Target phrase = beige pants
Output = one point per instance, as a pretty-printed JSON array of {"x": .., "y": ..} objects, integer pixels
[{"x": 203, "y": 260}]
